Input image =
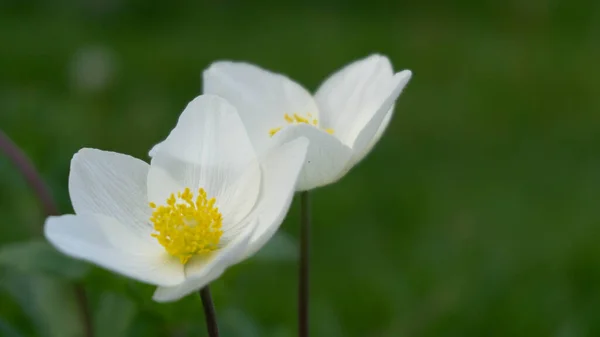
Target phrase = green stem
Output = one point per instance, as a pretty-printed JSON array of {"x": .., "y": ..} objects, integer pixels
[
  {"x": 303, "y": 275},
  {"x": 209, "y": 312}
]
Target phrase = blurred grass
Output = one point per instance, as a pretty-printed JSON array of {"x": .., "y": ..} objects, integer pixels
[{"x": 477, "y": 214}]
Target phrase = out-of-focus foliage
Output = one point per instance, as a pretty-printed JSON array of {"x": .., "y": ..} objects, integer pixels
[
  {"x": 478, "y": 214},
  {"x": 36, "y": 256}
]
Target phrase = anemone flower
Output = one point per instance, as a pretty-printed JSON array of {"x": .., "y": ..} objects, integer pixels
[
  {"x": 343, "y": 120},
  {"x": 205, "y": 202}
]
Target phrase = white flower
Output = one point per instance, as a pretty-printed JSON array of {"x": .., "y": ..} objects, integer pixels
[
  {"x": 343, "y": 121},
  {"x": 205, "y": 202}
]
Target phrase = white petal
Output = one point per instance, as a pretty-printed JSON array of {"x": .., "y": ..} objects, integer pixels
[
  {"x": 209, "y": 123},
  {"x": 175, "y": 293},
  {"x": 261, "y": 97},
  {"x": 209, "y": 149},
  {"x": 372, "y": 131},
  {"x": 281, "y": 168},
  {"x": 349, "y": 98},
  {"x": 358, "y": 156},
  {"x": 326, "y": 158},
  {"x": 201, "y": 270},
  {"x": 153, "y": 150},
  {"x": 112, "y": 184},
  {"x": 106, "y": 242}
]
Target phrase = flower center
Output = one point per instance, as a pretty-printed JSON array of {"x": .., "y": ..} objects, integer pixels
[
  {"x": 297, "y": 119},
  {"x": 186, "y": 227}
]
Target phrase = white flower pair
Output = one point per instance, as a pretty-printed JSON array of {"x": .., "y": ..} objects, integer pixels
[{"x": 219, "y": 186}]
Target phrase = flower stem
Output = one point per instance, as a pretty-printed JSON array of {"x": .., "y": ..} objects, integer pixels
[
  {"x": 209, "y": 312},
  {"x": 26, "y": 168},
  {"x": 303, "y": 275},
  {"x": 33, "y": 178},
  {"x": 82, "y": 302}
]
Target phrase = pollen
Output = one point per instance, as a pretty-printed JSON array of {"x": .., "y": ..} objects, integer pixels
[
  {"x": 186, "y": 226},
  {"x": 297, "y": 119}
]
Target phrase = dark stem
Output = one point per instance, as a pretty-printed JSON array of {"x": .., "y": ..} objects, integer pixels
[
  {"x": 209, "y": 312},
  {"x": 24, "y": 165},
  {"x": 303, "y": 275},
  {"x": 33, "y": 178},
  {"x": 84, "y": 307}
]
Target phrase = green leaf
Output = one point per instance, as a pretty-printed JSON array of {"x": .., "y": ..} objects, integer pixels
[
  {"x": 38, "y": 256},
  {"x": 114, "y": 315},
  {"x": 281, "y": 248},
  {"x": 48, "y": 302}
]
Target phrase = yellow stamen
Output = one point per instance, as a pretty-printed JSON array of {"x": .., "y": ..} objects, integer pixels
[
  {"x": 297, "y": 119},
  {"x": 186, "y": 227},
  {"x": 273, "y": 131},
  {"x": 300, "y": 119}
]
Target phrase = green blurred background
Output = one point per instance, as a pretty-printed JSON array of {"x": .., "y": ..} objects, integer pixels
[{"x": 476, "y": 215}]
